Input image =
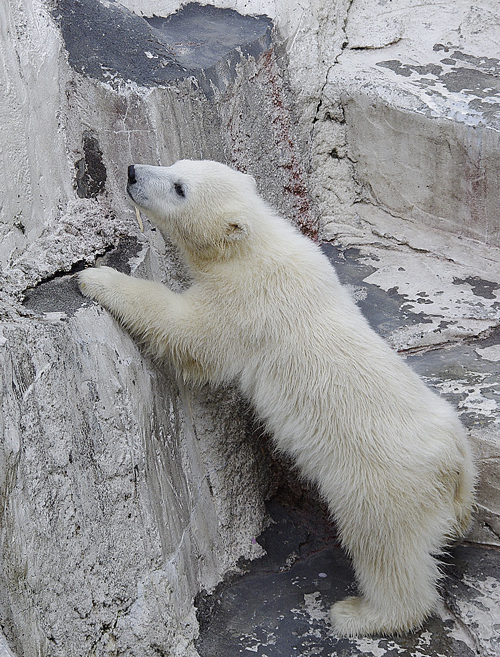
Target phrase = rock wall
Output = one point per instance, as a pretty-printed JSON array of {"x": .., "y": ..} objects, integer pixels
[{"x": 117, "y": 502}]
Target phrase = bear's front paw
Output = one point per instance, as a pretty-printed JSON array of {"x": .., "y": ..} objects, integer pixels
[{"x": 97, "y": 282}]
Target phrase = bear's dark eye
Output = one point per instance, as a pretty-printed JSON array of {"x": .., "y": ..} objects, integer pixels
[{"x": 179, "y": 190}]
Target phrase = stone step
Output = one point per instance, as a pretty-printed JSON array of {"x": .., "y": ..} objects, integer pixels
[
  {"x": 421, "y": 123},
  {"x": 423, "y": 128},
  {"x": 279, "y": 606}
]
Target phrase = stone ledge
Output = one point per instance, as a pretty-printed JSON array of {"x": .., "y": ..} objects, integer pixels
[
  {"x": 423, "y": 130},
  {"x": 110, "y": 43},
  {"x": 280, "y": 605}
]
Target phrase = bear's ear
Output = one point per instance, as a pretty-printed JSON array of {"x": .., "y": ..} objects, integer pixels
[
  {"x": 251, "y": 180},
  {"x": 236, "y": 229}
]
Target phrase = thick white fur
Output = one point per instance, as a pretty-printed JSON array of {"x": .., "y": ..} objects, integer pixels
[{"x": 266, "y": 309}]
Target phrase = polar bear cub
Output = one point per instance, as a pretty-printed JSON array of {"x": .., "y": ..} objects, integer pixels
[{"x": 265, "y": 309}]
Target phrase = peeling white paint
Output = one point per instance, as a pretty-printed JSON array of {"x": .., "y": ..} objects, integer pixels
[
  {"x": 428, "y": 284},
  {"x": 453, "y": 628},
  {"x": 373, "y": 647},
  {"x": 490, "y": 353},
  {"x": 472, "y": 394},
  {"x": 482, "y": 612},
  {"x": 254, "y": 644},
  {"x": 314, "y": 607},
  {"x": 438, "y": 277}
]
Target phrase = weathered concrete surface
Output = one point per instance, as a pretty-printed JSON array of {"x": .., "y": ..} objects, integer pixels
[
  {"x": 312, "y": 35},
  {"x": 425, "y": 137},
  {"x": 437, "y": 54},
  {"x": 410, "y": 110},
  {"x": 408, "y": 117},
  {"x": 117, "y": 484},
  {"x": 446, "y": 288},
  {"x": 33, "y": 182}
]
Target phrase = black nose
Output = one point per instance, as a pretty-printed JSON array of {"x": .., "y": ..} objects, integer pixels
[{"x": 131, "y": 175}]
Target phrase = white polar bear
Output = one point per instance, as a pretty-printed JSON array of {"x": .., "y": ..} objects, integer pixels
[{"x": 266, "y": 309}]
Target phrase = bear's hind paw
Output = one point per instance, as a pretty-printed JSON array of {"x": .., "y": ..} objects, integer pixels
[{"x": 354, "y": 616}]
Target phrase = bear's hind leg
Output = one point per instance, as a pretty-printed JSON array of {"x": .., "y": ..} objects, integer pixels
[{"x": 398, "y": 585}]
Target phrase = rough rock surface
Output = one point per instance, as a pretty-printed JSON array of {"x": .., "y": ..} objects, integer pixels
[{"x": 117, "y": 501}]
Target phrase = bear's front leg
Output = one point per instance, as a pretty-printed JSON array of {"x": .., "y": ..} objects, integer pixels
[{"x": 149, "y": 310}]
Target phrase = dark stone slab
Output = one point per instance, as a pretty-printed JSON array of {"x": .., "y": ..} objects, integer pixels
[
  {"x": 111, "y": 43},
  {"x": 61, "y": 293},
  {"x": 58, "y": 295},
  {"x": 200, "y": 36},
  {"x": 104, "y": 41},
  {"x": 385, "y": 311},
  {"x": 279, "y": 607}
]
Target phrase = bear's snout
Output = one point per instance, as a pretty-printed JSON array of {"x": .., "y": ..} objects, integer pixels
[{"x": 137, "y": 179}]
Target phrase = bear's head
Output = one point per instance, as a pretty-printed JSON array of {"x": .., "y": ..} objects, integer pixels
[{"x": 205, "y": 207}]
